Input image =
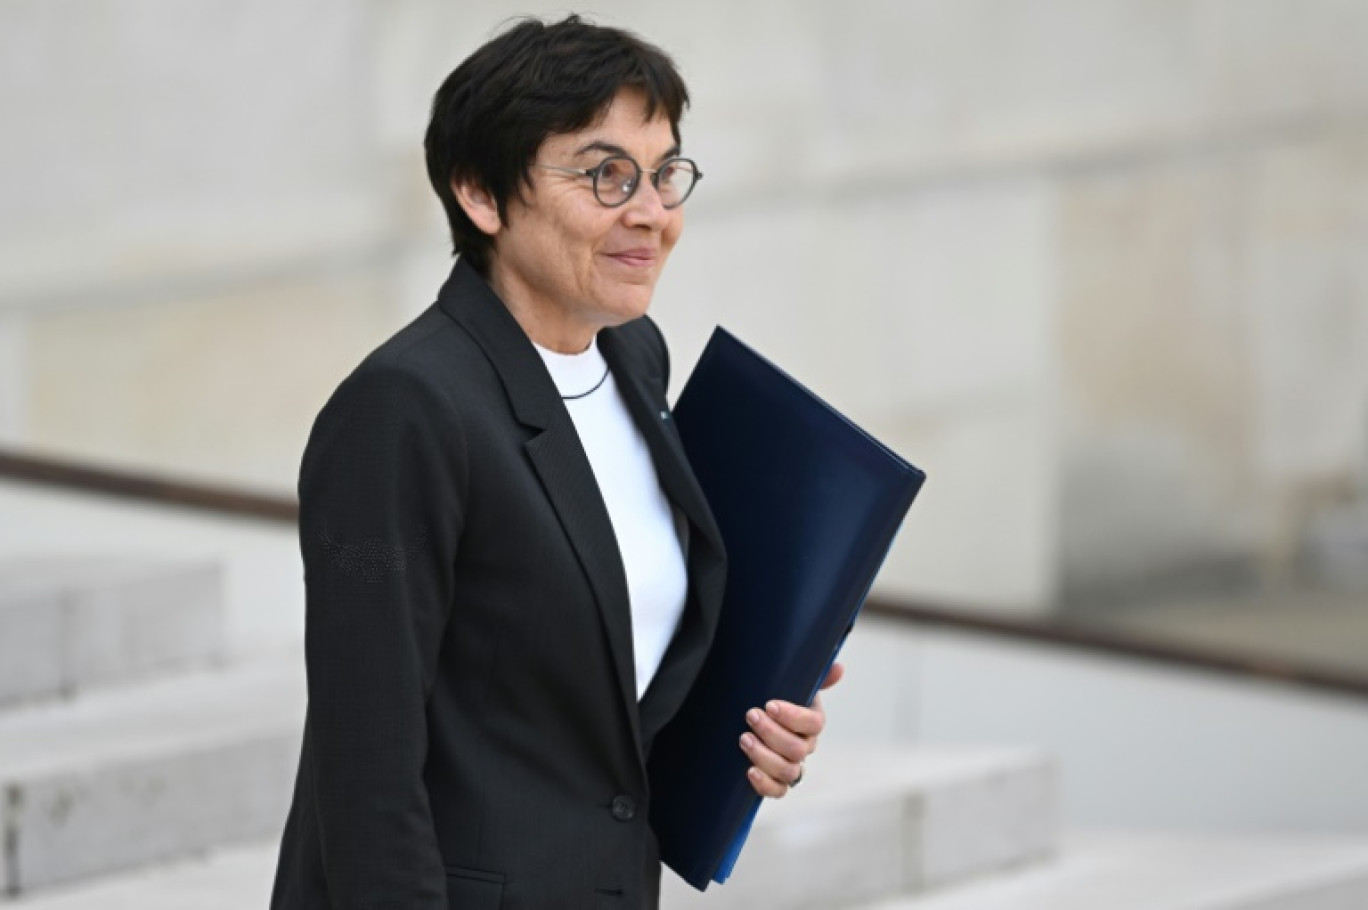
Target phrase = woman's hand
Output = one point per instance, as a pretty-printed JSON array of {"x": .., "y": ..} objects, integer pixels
[{"x": 782, "y": 736}]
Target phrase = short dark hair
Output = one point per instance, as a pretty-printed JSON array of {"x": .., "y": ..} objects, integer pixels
[{"x": 495, "y": 110}]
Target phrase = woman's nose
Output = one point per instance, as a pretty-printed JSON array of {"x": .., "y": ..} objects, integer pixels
[{"x": 645, "y": 207}]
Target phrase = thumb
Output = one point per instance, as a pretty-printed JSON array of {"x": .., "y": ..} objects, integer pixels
[{"x": 834, "y": 675}]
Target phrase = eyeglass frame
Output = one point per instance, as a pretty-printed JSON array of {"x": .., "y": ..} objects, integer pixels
[{"x": 593, "y": 174}]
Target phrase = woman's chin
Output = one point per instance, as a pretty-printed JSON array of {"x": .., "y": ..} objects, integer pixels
[{"x": 626, "y": 305}]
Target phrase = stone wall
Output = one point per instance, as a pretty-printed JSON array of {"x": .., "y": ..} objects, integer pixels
[
  {"x": 192, "y": 197},
  {"x": 1090, "y": 263},
  {"x": 1214, "y": 313}
]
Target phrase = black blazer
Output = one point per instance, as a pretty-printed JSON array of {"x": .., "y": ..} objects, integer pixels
[{"x": 473, "y": 738}]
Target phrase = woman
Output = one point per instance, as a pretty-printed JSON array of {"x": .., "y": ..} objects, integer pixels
[{"x": 512, "y": 576}]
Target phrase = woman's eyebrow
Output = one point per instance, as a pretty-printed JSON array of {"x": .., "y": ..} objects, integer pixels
[{"x": 598, "y": 145}]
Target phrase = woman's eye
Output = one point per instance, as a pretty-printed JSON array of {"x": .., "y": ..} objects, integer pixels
[{"x": 616, "y": 171}]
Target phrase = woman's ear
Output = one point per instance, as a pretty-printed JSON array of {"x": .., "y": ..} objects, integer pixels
[{"x": 478, "y": 205}]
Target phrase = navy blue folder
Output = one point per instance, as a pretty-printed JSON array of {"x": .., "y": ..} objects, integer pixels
[{"x": 807, "y": 504}]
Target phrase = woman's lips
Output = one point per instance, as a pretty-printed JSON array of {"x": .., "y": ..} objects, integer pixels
[{"x": 636, "y": 258}]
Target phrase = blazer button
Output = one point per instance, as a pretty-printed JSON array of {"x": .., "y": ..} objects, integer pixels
[{"x": 624, "y": 808}]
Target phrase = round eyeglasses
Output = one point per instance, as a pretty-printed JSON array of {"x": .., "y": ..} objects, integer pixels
[{"x": 617, "y": 177}]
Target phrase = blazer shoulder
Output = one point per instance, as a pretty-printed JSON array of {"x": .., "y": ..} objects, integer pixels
[
  {"x": 432, "y": 345},
  {"x": 419, "y": 376},
  {"x": 432, "y": 354}
]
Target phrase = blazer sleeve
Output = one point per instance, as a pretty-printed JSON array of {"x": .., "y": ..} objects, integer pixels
[{"x": 381, "y": 492}]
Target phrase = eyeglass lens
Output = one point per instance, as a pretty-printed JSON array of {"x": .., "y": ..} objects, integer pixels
[{"x": 616, "y": 179}]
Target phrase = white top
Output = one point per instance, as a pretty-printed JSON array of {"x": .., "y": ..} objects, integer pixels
[{"x": 643, "y": 521}]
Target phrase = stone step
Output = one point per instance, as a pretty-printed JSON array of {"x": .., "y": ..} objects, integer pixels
[
  {"x": 126, "y": 776},
  {"x": 1094, "y": 872},
  {"x": 1173, "y": 872},
  {"x": 880, "y": 821},
  {"x": 67, "y": 624},
  {"x": 235, "y": 877},
  {"x": 865, "y": 824},
  {"x": 238, "y": 877}
]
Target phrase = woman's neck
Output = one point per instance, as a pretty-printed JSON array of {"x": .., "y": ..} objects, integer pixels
[{"x": 553, "y": 327}]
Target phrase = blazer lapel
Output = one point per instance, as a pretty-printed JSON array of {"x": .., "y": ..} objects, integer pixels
[{"x": 559, "y": 460}]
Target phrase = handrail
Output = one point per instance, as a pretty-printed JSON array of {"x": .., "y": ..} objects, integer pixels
[
  {"x": 71, "y": 475},
  {"x": 1128, "y": 644},
  {"x": 222, "y": 500}
]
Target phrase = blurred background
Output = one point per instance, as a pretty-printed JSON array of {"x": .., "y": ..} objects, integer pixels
[{"x": 1097, "y": 266}]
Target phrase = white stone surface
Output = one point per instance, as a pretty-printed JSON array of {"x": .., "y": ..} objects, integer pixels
[
  {"x": 992, "y": 821},
  {"x": 31, "y": 645},
  {"x": 231, "y": 878},
  {"x": 126, "y": 777},
  {"x": 908, "y": 204},
  {"x": 1151, "y": 321},
  {"x": 1336, "y": 547},
  {"x": 1111, "y": 871},
  {"x": 809, "y": 94},
  {"x": 1214, "y": 357},
  {"x": 263, "y": 587},
  {"x": 1304, "y": 225},
  {"x": 13, "y": 380},
  {"x": 71, "y": 622},
  {"x": 1138, "y": 745},
  {"x": 213, "y": 383},
  {"x": 877, "y": 821},
  {"x": 233, "y": 135},
  {"x": 1173, "y": 872}
]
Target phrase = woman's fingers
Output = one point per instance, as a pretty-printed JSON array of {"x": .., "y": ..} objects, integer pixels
[
  {"x": 771, "y": 774},
  {"x": 765, "y": 785},
  {"x": 775, "y": 749},
  {"x": 796, "y": 718},
  {"x": 782, "y": 736},
  {"x": 834, "y": 675},
  {"x": 781, "y": 740}
]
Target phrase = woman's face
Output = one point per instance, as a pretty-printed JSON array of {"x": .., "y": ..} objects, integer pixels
[{"x": 565, "y": 264}]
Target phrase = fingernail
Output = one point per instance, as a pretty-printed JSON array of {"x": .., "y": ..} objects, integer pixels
[
  {"x": 753, "y": 716},
  {"x": 772, "y": 707},
  {"x": 753, "y": 774},
  {"x": 747, "y": 740}
]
